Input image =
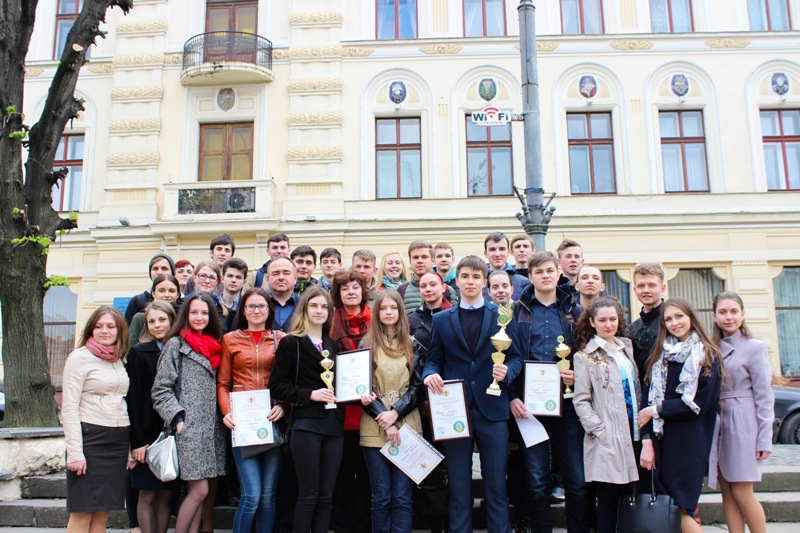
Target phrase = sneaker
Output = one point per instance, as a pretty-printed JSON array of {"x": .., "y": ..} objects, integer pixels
[
  {"x": 522, "y": 526},
  {"x": 558, "y": 495}
]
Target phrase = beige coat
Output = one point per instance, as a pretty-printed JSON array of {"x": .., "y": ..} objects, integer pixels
[{"x": 600, "y": 404}]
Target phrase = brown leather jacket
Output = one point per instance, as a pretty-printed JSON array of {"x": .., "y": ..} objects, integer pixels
[{"x": 244, "y": 365}]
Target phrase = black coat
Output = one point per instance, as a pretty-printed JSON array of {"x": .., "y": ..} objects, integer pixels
[
  {"x": 643, "y": 336},
  {"x": 137, "y": 304},
  {"x": 145, "y": 422}
]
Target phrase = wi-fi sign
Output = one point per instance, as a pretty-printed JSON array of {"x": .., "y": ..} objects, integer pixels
[{"x": 491, "y": 112}]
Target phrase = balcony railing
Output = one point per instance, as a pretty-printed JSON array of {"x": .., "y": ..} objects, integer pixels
[
  {"x": 226, "y": 56},
  {"x": 224, "y": 200}
]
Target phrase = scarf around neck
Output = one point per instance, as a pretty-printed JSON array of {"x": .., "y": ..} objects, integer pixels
[
  {"x": 106, "y": 353},
  {"x": 692, "y": 354},
  {"x": 348, "y": 330},
  {"x": 205, "y": 345},
  {"x": 390, "y": 284}
]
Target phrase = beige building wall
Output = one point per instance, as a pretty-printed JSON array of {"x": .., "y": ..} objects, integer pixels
[{"x": 314, "y": 117}]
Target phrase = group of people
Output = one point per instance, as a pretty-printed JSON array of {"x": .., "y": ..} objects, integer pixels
[{"x": 662, "y": 401}]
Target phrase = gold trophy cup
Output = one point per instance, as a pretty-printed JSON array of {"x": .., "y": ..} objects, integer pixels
[
  {"x": 562, "y": 351},
  {"x": 501, "y": 342},
  {"x": 327, "y": 375}
]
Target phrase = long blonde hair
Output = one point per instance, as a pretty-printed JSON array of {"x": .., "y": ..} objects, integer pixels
[
  {"x": 300, "y": 321},
  {"x": 377, "y": 338}
]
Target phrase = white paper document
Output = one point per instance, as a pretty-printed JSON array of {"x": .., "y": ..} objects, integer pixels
[
  {"x": 415, "y": 456},
  {"x": 532, "y": 430}
]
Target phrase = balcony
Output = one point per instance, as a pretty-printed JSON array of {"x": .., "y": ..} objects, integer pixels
[
  {"x": 226, "y": 57},
  {"x": 218, "y": 200}
]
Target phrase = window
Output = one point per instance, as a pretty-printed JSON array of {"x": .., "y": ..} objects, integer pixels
[
  {"x": 396, "y": 19},
  {"x": 224, "y": 16},
  {"x": 60, "y": 314},
  {"x": 398, "y": 158},
  {"x": 489, "y": 160},
  {"x": 67, "y": 193},
  {"x": 226, "y": 151},
  {"x": 671, "y": 16},
  {"x": 768, "y": 15},
  {"x": 484, "y": 18},
  {"x": 581, "y": 17},
  {"x": 619, "y": 289},
  {"x": 683, "y": 151},
  {"x": 68, "y": 11},
  {"x": 699, "y": 286},
  {"x": 591, "y": 153},
  {"x": 787, "y": 313},
  {"x": 781, "y": 131}
]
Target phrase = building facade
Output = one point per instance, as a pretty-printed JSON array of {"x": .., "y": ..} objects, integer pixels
[{"x": 670, "y": 133}]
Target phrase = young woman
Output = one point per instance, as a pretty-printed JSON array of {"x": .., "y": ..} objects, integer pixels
[
  {"x": 685, "y": 373},
  {"x": 96, "y": 425},
  {"x": 208, "y": 279},
  {"x": 316, "y": 432},
  {"x": 607, "y": 400},
  {"x": 183, "y": 271},
  {"x": 185, "y": 395},
  {"x": 248, "y": 355},
  {"x": 392, "y": 272},
  {"x": 351, "y": 314},
  {"x": 746, "y": 416},
  {"x": 165, "y": 288},
  {"x": 154, "y": 495},
  {"x": 396, "y": 391}
]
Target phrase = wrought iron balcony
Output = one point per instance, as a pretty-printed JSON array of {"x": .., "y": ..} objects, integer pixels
[
  {"x": 226, "y": 57},
  {"x": 224, "y": 200}
]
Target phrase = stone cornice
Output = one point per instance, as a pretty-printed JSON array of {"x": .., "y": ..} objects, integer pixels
[
  {"x": 316, "y": 18},
  {"x": 315, "y": 118},
  {"x": 139, "y": 60},
  {"x": 442, "y": 48},
  {"x": 315, "y": 84},
  {"x": 142, "y": 26},
  {"x": 137, "y": 91},
  {"x": 133, "y": 159},
  {"x": 631, "y": 44},
  {"x": 101, "y": 68},
  {"x": 313, "y": 152},
  {"x": 727, "y": 43},
  {"x": 138, "y": 125}
]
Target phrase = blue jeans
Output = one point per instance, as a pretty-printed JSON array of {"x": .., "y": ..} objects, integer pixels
[
  {"x": 566, "y": 435},
  {"x": 258, "y": 477},
  {"x": 392, "y": 494}
]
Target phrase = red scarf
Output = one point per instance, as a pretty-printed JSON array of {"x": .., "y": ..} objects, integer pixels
[
  {"x": 106, "y": 353},
  {"x": 348, "y": 330},
  {"x": 203, "y": 344}
]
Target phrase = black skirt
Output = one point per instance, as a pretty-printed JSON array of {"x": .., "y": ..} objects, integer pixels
[
  {"x": 142, "y": 478},
  {"x": 103, "y": 486}
]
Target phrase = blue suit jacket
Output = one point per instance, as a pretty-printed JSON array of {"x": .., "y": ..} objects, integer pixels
[{"x": 450, "y": 357}]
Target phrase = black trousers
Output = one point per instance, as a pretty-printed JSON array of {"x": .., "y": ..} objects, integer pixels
[{"x": 316, "y": 462}]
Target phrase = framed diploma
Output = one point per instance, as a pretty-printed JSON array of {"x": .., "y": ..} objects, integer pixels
[
  {"x": 250, "y": 410},
  {"x": 542, "y": 388},
  {"x": 415, "y": 456},
  {"x": 449, "y": 416},
  {"x": 353, "y": 375}
]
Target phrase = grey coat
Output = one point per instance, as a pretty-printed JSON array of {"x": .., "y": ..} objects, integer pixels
[
  {"x": 201, "y": 443},
  {"x": 600, "y": 404},
  {"x": 747, "y": 411}
]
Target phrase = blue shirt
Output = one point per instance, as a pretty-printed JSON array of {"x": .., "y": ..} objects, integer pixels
[
  {"x": 545, "y": 330},
  {"x": 284, "y": 312}
]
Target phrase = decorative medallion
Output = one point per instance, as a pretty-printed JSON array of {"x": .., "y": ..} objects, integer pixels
[
  {"x": 587, "y": 86},
  {"x": 680, "y": 85},
  {"x": 397, "y": 92},
  {"x": 780, "y": 83},
  {"x": 226, "y": 98},
  {"x": 487, "y": 89}
]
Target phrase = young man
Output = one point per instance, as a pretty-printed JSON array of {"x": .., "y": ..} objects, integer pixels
[
  {"x": 234, "y": 272},
  {"x": 277, "y": 246},
  {"x": 159, "y": 264},
  {"x": 330, "y": 260},
  {"x": 305, "y": 261},
  {"x": 590, "y": 284},
  {"x": 522, "y": 247},
  {"x": 420, "y": 257},
  {"x": 500, "y": 288},
  {"x": 495, "y": 248},
  {"x": 460, "y": 349},
  {"x": 648, "y": 284},
  {"x": 443, "y": 259},
  {"x": 570, "y": 259},
  {"x": 546, "y": 311},
  {"x": 222, "y": 248},
  {"x": 365, "y": 263}
]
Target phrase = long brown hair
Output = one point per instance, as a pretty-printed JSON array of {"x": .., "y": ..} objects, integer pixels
[
  {"x": 300, "y": 319},
  {"x": 584, "y": 331},
  {"x": 711, "y": 349},
  {"x": 156, "y": 305},
  {"x": 378, "y": 338},
  {"x": 119, "y": 321}
]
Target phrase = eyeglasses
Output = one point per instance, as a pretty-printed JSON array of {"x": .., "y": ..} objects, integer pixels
[
  {"x": 253, "y": 307},
  {"x": 206, "y": 277}
]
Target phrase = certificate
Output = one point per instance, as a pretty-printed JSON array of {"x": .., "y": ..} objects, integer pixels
[
  {"x": 542, "y": 388},
  {"x": 415, "y": 456},
  {"x": 250, "y": 410},
  {"x": 449, "y": 417},
  {"x": 353, "y": 375}
]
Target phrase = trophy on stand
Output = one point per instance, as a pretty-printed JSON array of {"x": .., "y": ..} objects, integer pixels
[
  {"x": 501, "y": 342},
  {"x": 327, "y": 375},
  {"x": 562, "y": 351}
]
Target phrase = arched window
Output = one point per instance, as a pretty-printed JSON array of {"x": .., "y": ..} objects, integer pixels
[
  {"x": 698, "y": 285},
  {"x": 787, "y": 314},
  {"x": 60, "y": 314},
  {"x": 619, "y": 289}
]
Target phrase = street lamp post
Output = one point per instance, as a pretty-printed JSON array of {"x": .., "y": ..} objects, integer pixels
[{"x": 535, "y": 215}]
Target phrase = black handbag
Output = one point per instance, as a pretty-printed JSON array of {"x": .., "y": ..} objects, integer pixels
[
  {"x": 648, "y": 513},
  {"x": 432, "y": 496}
]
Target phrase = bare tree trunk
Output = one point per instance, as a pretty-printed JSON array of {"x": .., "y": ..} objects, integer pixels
[{"x": 27, "y": 220}]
